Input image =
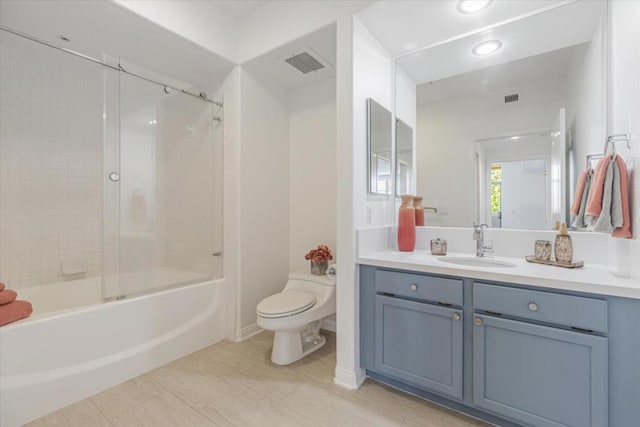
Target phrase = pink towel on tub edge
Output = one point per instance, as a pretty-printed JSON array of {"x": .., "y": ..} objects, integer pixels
[
  {"x": 625, "y": 230},
  {"x": 7, "y": 296},
  {"x": 594, "y": 202},
  {"x": 15, "y": 311},
  {"x": 1, "y": 286}
]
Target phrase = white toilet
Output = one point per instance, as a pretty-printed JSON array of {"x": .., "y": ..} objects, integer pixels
[{"x": 294, "y": 315}]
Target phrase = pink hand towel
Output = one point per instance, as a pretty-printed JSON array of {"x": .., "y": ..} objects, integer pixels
[
  {"x": 582, "y": 179},
  {"x": 594, "y": 203},
  {"x": 15, "y": 311},
  {"x": 625, "y": 230},
  {"x": 7, "y": 296},
  {"x": 1, "y": 286}
]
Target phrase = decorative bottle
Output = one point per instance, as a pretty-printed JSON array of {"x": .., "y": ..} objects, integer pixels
[
  {"x": 563, "y": 247},
  {"x": 407, "y": 225},
  {"x": 419, "y": 211}
]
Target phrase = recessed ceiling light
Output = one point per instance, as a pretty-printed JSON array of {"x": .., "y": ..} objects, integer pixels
[
  {"x": 487, "y": 48},
  {"x": 473, "y": 6},
  {"x": 515, "y": 137}
]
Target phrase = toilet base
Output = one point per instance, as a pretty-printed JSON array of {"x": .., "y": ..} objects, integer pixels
[{"x": 288, "y": 346}]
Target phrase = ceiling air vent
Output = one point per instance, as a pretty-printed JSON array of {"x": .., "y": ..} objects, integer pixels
[
  {"x": 306, "y": 60},
  {"x": 304, "y": 63},
  {"x": 511, "y": 98}
]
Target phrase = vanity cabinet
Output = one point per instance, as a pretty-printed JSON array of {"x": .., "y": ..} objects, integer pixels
[{"x": 509, "y": 354}]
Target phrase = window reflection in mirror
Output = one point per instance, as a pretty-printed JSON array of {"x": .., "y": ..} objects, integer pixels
[
  {"x": 379, "y": 147},
  {"x": 535, "y": 108}
]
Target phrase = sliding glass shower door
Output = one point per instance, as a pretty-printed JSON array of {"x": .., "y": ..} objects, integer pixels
[{"x": 166, "y": 186}]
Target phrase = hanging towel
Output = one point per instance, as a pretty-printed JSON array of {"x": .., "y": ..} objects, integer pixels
[
  {"x": 580, "y": 190},
  {"x": 594, "y": 202},
  {"x": 15, "y": 311},
  {"x": 602, "y": 223},
  {"x": 617, "y": 219},
  {"x": 580, "y": 221},
  {"x": 625, "y": 230},
  {"x": 7, "y": 296}
]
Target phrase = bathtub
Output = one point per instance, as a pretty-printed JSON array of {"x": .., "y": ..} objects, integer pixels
[{"x": 52, "y": 360}]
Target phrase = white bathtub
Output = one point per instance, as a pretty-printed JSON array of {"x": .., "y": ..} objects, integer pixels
[{"x": 49, "y": 362}]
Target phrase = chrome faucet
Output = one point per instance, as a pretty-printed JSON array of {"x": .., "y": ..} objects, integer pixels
[{"x": 478, "y": 236}]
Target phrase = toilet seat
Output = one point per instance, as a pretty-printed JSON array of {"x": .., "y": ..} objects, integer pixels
[{"x": 286, "y": 303}]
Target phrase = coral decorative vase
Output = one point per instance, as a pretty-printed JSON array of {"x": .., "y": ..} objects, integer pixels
[
  {"x": 407, "y": 225},
  {"x": 417, "y": 205}
]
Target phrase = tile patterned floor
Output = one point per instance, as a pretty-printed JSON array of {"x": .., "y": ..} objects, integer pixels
[{"x": 235, "y": 384}]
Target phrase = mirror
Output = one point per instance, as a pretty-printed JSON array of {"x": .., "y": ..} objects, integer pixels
[
  {"x": 502, "y": 136},
  {"x": 404, "y": 158},
  {"x": 379, "y": 148}
]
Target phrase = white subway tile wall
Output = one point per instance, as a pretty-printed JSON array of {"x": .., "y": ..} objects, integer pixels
[{"x": 51, "y": 134}]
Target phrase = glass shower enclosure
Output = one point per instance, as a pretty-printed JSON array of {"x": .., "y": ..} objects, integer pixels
[{"x": 110, "y": 183}]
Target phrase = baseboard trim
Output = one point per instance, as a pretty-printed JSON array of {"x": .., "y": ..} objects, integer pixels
[
  {"x": 351, "y": 380},
  {"x": 247, "y": 332}
]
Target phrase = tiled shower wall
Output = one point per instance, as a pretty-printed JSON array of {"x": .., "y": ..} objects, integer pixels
[{"x": 50, "y": 164}]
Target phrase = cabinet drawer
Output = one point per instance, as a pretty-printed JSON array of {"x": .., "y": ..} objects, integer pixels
[
  {"x": 418, "y": 286},
  {"x": 565, "y": 310}
]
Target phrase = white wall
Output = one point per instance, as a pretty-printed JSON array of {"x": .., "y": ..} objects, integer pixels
[
  {"x": 373, "y": 78},
  {"x": 264, "y": 194},
  {"x": 51, "y": 155},
  {"x": 446, "y": 131},
  {"x": 587, "y": 107},
  {"x": 624, "y": 117},
  {"x": 364, "y": 70},
  {"x": 312, "y": 171}
]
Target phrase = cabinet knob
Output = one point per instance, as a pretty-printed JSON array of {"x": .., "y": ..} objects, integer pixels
[
  {"x": 413, "y": 287},
  {"x": 478, "y": 321},
  {"x": 455, "y": 316},
  {"x": 533, "y": 306}
]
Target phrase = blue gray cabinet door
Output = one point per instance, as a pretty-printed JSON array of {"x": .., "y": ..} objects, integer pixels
[
  {"x": 538, "y": 375},
  {"x": 419, "y": 344}
]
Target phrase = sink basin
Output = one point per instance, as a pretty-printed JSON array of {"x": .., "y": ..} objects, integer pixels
[{"x": 477, "y": 262}]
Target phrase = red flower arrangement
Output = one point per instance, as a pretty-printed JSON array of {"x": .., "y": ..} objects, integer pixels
[{"x": 322, "y": 253}]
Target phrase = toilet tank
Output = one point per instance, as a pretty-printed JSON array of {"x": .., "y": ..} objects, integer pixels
[{"x": 312, "y": 278}]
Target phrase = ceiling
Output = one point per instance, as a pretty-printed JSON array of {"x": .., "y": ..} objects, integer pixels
[
  {"x": 272, "y": 67},
  {"x": 547, "y": 66},
  {"x": 532, "y": 36},
  {"x": 239, "y": 8},
  {"x": 402, "y": 26},
  {"x": 89, "y": 27}
]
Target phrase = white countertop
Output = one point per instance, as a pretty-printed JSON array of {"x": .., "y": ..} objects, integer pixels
[{"x": 596, "y": 279}]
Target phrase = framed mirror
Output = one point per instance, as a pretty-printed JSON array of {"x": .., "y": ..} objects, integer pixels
[
  {"x": 404, "y": 158},
  {"x": 379, "y": 148},
  {"x": 507, "y": 116}
]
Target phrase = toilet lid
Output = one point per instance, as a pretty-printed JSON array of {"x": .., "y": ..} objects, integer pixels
[{"x": 286, "y": 303}]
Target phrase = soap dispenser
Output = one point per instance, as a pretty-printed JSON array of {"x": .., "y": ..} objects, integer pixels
[{"x": 563, "y": 247}]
